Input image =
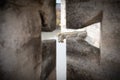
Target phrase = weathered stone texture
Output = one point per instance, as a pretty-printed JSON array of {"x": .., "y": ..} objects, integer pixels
[
  {"x": 110, "y": 43},
  {"x": 48, "y": 60},
  {"x": 20, "y": 40},
  {"x": 81, "y": 13},
  {"x": 82, "y": 60},
  {"x": 79, "y": 35},
  {"x": 48, "y": 15}
]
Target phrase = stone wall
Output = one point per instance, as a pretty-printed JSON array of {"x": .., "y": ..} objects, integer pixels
[
  {"x": 48, "y": 15},
  {"x": 81, "y": 13},
  {"x": 83, "y": 60},
  {"x": 20, "y": 38},
  {"x": 48, "y": 60}
]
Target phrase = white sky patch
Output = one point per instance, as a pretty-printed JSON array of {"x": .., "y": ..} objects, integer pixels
[
  {"x": 58, "y": 1},
  {"x": 93, "y": 34}
]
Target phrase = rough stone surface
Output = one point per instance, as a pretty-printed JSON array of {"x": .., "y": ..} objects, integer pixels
[
  {"x": 81, "y": 13},
  {"x": 79, "y": 35},
  {"x": 82, "y": 60},
  {"x": 48, "y": 15},
  {"x": 48, "y": 60},
  {"x": 20, "y": 38}
]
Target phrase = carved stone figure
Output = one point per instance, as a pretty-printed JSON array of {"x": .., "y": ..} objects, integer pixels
[{"x": 79, "y": 35}]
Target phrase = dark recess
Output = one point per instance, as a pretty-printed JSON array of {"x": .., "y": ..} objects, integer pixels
[{"x": 2, "y": 3}]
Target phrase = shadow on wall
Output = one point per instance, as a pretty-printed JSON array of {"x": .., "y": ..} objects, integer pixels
[{"x": 2, "y": 3}]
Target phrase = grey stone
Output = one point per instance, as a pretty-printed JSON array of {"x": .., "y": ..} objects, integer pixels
[
  {"x": 81, "y": 13},
  {"x": 20, "y": 38},
  {"x": 48, "y": 60},
  {"x": 83, "y": 60},
  {"x": 79, "y": 35},
  {"x": 48, "y": 15}
]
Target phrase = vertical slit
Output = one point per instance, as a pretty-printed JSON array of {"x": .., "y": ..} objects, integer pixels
[{"x": 42, "y": 16}]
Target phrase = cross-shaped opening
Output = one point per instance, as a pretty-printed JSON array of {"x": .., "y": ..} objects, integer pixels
[{"x": 93, "y": 38}]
